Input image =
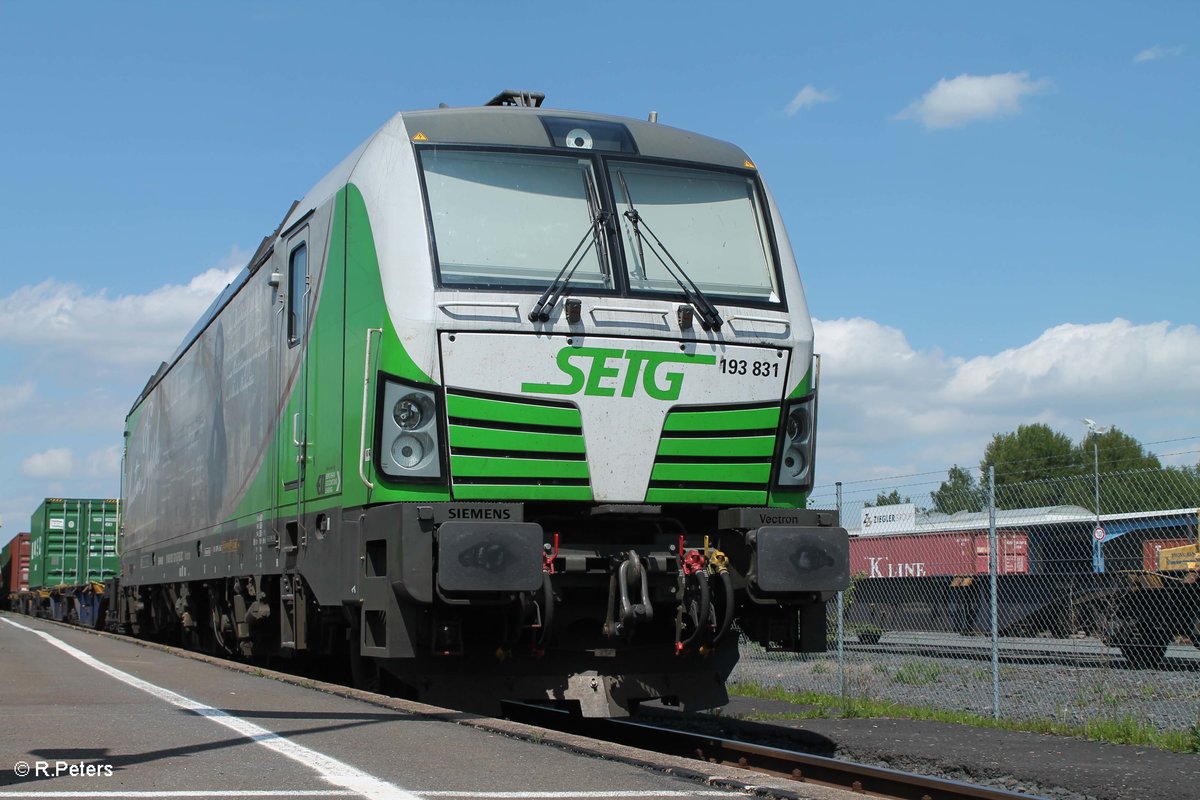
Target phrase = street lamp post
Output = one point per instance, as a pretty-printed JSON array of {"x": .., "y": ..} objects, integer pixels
[{"x": 1094, "y": 431}]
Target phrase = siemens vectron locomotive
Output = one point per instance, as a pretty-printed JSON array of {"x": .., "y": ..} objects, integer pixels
[{"x": 515, "y": 403}]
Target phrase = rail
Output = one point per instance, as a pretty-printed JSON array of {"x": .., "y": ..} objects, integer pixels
[{"x": 862, "y": 778}]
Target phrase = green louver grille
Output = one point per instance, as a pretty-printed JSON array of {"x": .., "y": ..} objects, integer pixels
[
  {"x": 515, "y": 449},
  {"x": 715, "y": 455}
]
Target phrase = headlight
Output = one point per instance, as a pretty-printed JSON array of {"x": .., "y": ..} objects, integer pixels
[
  {"x": 410, "y": 411},
  {"x": 408, "y": 432},
  {"x": 793, "y": 469},
  {"x": 795, "y": 462},
  {"x": 408, "y": 451}
]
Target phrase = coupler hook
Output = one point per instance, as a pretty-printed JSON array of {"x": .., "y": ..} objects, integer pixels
[
  {"x": 634, "y": 612},
  {"x": 629, "y": 575}
]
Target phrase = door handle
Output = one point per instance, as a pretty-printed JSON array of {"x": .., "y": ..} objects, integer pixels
[{"x": 296, "y": 430}]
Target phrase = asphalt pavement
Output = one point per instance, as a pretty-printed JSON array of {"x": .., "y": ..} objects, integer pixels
[
  {"x": 86, "y": 715},
  {"x": 1038, "y": 764}
]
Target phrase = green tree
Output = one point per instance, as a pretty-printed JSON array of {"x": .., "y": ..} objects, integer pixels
[
  {"x": 1031, "y": 467},
  {"x": 1033, "y": 452},
  {"x": 959, "y": 492},
  {"x": 1118, "y": 451},
  {"x": 891, "y": 498},
  {"x": 1037, "y": 466},
  {"x": 1131, "y": 479}
]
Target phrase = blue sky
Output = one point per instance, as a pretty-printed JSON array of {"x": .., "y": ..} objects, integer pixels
[{"x": 959, "y": 182}]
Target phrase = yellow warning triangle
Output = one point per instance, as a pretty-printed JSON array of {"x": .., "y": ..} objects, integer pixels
[{"x": 420, "y": 137}]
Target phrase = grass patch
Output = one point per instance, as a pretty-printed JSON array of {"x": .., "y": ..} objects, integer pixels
[
  {"x": 917, "y": 673},
  {"x": 1113, "y": 728}
]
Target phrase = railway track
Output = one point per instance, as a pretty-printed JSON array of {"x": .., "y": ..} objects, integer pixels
[
  {"x": 820, "y": 770},
  {"x": 1020, "y": 650}
]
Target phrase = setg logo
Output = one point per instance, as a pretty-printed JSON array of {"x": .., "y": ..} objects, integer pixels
[{"x": 586, "y": 367}]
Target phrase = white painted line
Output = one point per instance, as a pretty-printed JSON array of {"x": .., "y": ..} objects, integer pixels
[
  {"x": 330, "y": 769},
  {"x": 188, "y": 793},
  {"x": 581, "y": 795},
  {"x": 134, "y": 794},
  {"x": 120, "y": 795}
]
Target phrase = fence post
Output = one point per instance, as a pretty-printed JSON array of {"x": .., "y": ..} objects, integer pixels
[
  {"x": 841, "y": 615},
  {"x": 992, "y": 569}
]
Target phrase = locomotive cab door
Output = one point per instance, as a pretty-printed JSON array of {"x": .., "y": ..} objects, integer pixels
[{"x": 292, "y": 442}]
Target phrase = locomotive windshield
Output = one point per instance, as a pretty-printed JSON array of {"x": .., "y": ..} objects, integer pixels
[
  {"x": 511, "y": 220},
  {"x": 710, "y": 221}
]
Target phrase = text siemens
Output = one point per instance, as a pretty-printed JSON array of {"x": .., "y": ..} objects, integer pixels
[{"x": 479, "y": 513}]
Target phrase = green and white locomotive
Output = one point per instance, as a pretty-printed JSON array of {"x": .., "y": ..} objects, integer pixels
[{"x": 516, "y": 403}]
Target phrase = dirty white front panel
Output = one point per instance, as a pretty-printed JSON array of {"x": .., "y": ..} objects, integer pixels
[{"x": 622, "y": 387}]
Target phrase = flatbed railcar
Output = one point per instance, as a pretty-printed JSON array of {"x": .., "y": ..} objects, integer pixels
[{"x": 515, "y": 403}]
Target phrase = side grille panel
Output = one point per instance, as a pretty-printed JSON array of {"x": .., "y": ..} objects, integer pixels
[
  {"x": 508, "y": 449},
  {"x": 715, "y": 456}
]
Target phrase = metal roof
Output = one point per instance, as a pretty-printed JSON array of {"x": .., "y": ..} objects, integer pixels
[{"x": 937, "y": 522}]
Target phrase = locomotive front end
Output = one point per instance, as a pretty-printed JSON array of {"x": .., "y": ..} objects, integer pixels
[{"x": 622, "y": 406}]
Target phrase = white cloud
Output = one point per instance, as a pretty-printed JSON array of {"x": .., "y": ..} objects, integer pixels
[
  {"x": 959, "y": 101},
  {"x": 52, "y": 464},
  {"x": 890, "y": 409},
  {"x": 1115, "y": 359},
  {"x": 16, "y": 396},
  {"x": 1159, "y": 51},
  {"x": 61, "y": 463},
  {"x": 53, "y": 318},
  {"x": 77, "y": 360},
  {"x": 104, "y": 463},
  {"x": 808, "y": 97}
]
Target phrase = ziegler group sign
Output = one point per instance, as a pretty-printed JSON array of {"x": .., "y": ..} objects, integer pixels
[{"x": 901, "y": 518}]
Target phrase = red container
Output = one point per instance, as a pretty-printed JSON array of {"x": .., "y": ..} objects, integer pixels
[
  {"x": 16, "y": 576},
  {"x": 1150, "y": 549},
  {"x": 923, "y": 554}
]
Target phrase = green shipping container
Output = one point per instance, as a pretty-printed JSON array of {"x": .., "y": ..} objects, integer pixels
[{"x": 73, "y": 542}]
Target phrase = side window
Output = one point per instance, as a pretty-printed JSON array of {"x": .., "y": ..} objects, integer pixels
[{"x": 297, "y": 289}]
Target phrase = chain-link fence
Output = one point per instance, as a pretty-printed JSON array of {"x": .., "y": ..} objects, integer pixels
[{"x": 1070, "y": 598}]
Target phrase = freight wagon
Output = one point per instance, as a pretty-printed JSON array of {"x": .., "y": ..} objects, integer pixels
[
  {"x": 1053, "y": 577},
  {"x": 516, "y": 402},
  {"x": 922, "y": 555},
  {"x": 926, "y": 581},
  {"x": 14, "y": 570},
  {"x": 1152, "y": 551},
  {"x": 72, "y": 556}
]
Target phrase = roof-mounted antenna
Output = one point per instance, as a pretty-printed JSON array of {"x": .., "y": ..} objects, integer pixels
[
  {"x": 653, "y": 116},
  {"x": 520, "y": 98}
]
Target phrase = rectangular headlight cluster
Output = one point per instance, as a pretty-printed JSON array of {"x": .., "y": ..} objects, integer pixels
[
  {"x": 409, "y": 444},
  {"x": 794, "y": 465}
]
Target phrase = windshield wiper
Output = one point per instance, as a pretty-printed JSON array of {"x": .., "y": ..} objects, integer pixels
[
  {"x": 545, "y": 304},
  {"x": 710, "y": 318}
]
